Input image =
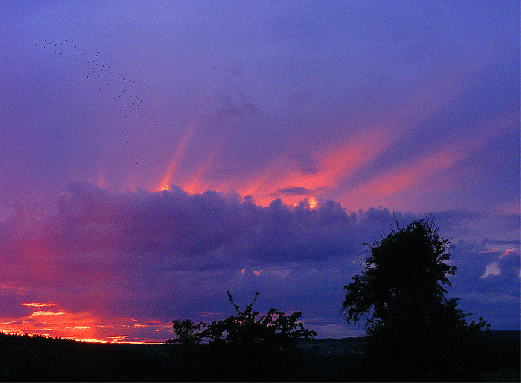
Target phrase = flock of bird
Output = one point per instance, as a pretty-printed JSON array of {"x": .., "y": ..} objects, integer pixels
[{"x": 126, "y": 93}]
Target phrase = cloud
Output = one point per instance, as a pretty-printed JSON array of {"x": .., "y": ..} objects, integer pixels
[
  {"x": 93, "y": 219},
  {"x": 487, "y": 276},
  {"x": 491, "y": 269},
  {"x": 101, "y": 255},
  {"x": 295, "y": 190},
  {"x": 108, "y": 244},
  {"x": 229, "y": 107},
  {"x": 305, "y": 163},
  {"x": 506, "y": 265}
]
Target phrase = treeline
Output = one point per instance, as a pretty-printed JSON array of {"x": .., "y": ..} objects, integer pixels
[{"x": 36, "y": 358}]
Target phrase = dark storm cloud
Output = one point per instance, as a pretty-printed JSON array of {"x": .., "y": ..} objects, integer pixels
[
  {"x": 174, "y": 223},
  {"x": 169, "y": 221},
  {"x": 99, "y": 234},
  {"x": 91, "y": 218},
  {"x": 148, "y": 253}
]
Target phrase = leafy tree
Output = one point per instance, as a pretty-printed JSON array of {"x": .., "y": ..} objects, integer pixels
[
  {"x": 414, "y": 331},
  {"x": 242, "y": 346}
]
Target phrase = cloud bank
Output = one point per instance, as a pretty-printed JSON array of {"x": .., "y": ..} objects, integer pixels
[{"x": 102, "y": 259}]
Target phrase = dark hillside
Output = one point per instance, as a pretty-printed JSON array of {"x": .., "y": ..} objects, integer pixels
[
  {"x": 26, "y": 358},
  {"x": 503, "y": 350}
]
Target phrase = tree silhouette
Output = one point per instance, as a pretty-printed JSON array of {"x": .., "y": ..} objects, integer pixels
[{"x": 414, "y": 331}]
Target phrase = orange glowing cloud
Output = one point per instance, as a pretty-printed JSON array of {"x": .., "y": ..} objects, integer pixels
[
  {"x": 46, "y": 313},
  {"x": 79, "y": 326},
  {"x": 38, "y": 305}
]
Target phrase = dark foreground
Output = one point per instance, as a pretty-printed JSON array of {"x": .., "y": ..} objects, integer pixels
[{"x": 24, "y": 358}]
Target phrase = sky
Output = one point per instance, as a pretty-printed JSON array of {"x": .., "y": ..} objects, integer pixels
[{"x": 155, "y": 154}]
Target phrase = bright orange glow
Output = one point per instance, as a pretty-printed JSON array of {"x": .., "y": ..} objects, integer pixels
[
  {"x": 89, "y": 340},
  {"x": 60, "y": 323},
  {"x": 334, "y": 163},
  {"x": 507, "y": 253},
  {"x": 81, "y": 326},
  {"x": 40, "y": 313},
  {"x": 116, "y": 339},
  {"x": 312, "y": 203},
  {"x": 38, "y": 305}
]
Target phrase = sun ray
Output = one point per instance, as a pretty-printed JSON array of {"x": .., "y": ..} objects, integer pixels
[
  {"x": 196, "y": 182},
  {"x": 336, "y": 162},
  {"x": 181, "y": 148}
]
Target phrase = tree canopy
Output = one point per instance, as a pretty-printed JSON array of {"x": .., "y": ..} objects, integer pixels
[{"x": 412, "y": 327}]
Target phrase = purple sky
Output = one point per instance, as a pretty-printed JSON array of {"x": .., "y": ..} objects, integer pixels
[{"x": 155, "y": 154}]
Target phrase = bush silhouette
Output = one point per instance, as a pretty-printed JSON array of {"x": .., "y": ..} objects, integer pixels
[{"x": 242, "y": 346}]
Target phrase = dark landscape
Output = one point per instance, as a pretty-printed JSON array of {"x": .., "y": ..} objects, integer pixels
[{"x": 26, "y": 358}]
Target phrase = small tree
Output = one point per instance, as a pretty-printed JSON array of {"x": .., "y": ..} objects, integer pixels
[
  {"x": 244, "y": 346},
  {"x": 414, "y": 331}
]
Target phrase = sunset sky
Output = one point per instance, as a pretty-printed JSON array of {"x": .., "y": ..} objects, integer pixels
[{"x": 154, "y": 154}]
